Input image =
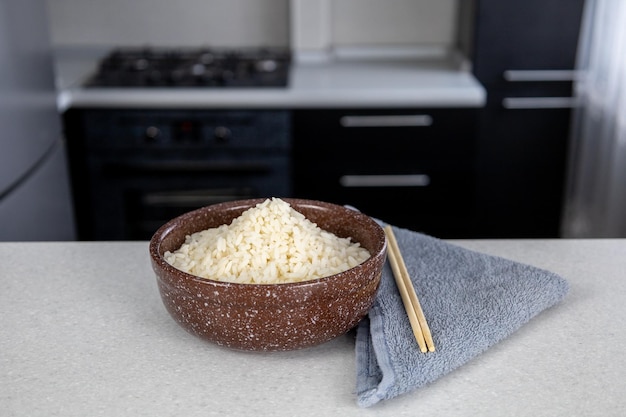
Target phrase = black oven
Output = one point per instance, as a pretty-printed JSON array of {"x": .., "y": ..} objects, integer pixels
[{"x": 132, "y": 170}]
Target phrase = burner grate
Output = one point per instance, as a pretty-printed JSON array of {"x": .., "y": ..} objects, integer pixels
[{"x": 202, "y": 67}]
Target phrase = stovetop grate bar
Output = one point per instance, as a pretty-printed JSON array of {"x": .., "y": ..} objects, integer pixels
[{"x": 193, "y": 67}]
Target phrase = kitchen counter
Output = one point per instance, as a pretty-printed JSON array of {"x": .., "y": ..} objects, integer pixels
[
  {"x": 84, "y": 332},
  {"x": 431, "y": 81}
]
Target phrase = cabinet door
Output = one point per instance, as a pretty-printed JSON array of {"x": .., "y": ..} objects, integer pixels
[
  {"x": 520, "y": 171},
  {"x": 524, "y": 54},
  {"x": 524, "y": 35},
  {"x": 411, "y": 175}
]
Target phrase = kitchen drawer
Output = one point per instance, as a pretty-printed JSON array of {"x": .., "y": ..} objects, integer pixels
[
  {"x": 437, "y": 201},
  {"x": 413, "y": 168},
  {"x": 354, "y": 137}
]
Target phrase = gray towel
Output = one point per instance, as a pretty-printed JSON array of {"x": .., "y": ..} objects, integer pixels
[{"x": 471, "y": 301}]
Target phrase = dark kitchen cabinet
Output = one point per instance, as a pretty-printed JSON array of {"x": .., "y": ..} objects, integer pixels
[
  {"x": 409, "y": 167},
  {"x": 524, "y": 54}
]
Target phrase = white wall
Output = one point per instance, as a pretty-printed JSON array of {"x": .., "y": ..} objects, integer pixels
[
  {"x": 247, "y": 22},
  {"x": 169, "y": 22},
  {"x": 393, "y": 22}
]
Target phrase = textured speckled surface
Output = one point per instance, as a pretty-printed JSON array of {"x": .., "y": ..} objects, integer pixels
[
  {"x": 270, "y": 317},
  {"x": 84, "y": 333}
]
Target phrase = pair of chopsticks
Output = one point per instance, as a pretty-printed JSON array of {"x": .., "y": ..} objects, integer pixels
[{"x": 421, "y": 331}]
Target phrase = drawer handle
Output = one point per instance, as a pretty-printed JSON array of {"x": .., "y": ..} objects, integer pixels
[
  {"x": 417, "y": 180},
  {"x": 539, "y": 102},
  {"x": 542, "y": 75},
  {"x": 387, "y": 121}
]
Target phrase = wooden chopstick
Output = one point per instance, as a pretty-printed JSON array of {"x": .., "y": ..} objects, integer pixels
[{"x": 413, "y": 308}]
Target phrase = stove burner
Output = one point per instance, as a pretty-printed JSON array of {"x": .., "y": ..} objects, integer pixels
[{"x": 202, "y": 67}]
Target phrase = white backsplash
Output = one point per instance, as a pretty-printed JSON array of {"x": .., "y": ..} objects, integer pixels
[
  {"x": 395, "y": 22},
  {"x": 228, "y": 23},
  {"x": 248, "y": 22}
]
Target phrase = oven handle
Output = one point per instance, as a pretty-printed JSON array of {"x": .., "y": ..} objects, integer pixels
[
  {"x": 190, "y": 166},
  {"x": 412, "y": 180},
  {"x": 404, "y": 120},
  {"x": 193, "y": 198}
]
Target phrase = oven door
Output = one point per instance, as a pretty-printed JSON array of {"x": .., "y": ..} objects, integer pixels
[{"x": 132, "y": 198}]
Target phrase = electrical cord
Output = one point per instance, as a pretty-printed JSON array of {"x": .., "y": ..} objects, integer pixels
[{"x": 30, "y": 171}]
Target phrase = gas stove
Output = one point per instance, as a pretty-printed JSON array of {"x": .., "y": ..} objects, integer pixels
[{"x": 197, "y": 67}]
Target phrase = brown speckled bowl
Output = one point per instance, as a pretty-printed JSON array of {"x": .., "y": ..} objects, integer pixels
[{"x": 270, "y": 317}]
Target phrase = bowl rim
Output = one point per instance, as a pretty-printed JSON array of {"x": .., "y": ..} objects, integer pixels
[{"x": 161, "y": 232}]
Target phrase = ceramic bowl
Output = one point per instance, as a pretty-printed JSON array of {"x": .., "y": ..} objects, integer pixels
[{"x": 270, "y": 317}]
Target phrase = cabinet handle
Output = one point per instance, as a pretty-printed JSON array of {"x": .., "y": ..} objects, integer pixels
[
  {"x": 386, "y": 121},
  {"x": 417, "y": 180},
  {"x": 542, "y": 75},
  {"x": 539, "y": 102}
]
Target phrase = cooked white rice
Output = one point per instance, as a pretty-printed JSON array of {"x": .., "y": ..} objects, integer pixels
[{"x": 268, "y": 244}]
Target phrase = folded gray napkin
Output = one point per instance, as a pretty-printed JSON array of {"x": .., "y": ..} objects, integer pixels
[{"x": 471, "y": 301}]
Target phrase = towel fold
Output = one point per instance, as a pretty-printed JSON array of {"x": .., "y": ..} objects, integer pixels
[{"x": 471, "y": 301}]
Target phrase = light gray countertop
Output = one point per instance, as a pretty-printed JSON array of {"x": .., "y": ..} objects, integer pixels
[
  {"x": 84, "y": 333},
  {"x": 437, "y": 81}
]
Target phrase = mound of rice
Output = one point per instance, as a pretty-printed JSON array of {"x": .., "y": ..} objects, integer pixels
[{"x": 268, "y": 244}]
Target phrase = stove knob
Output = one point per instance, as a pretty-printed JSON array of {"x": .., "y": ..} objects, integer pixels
[
  {"x": 140, "y": 64},
  {"x": 266, "y": 65},
  {"x": 198, "y": 69},
  {"x": 152, "y": 133},
  {"x": 207, "y": 58},
  {"x": 222, "y": 134}
]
